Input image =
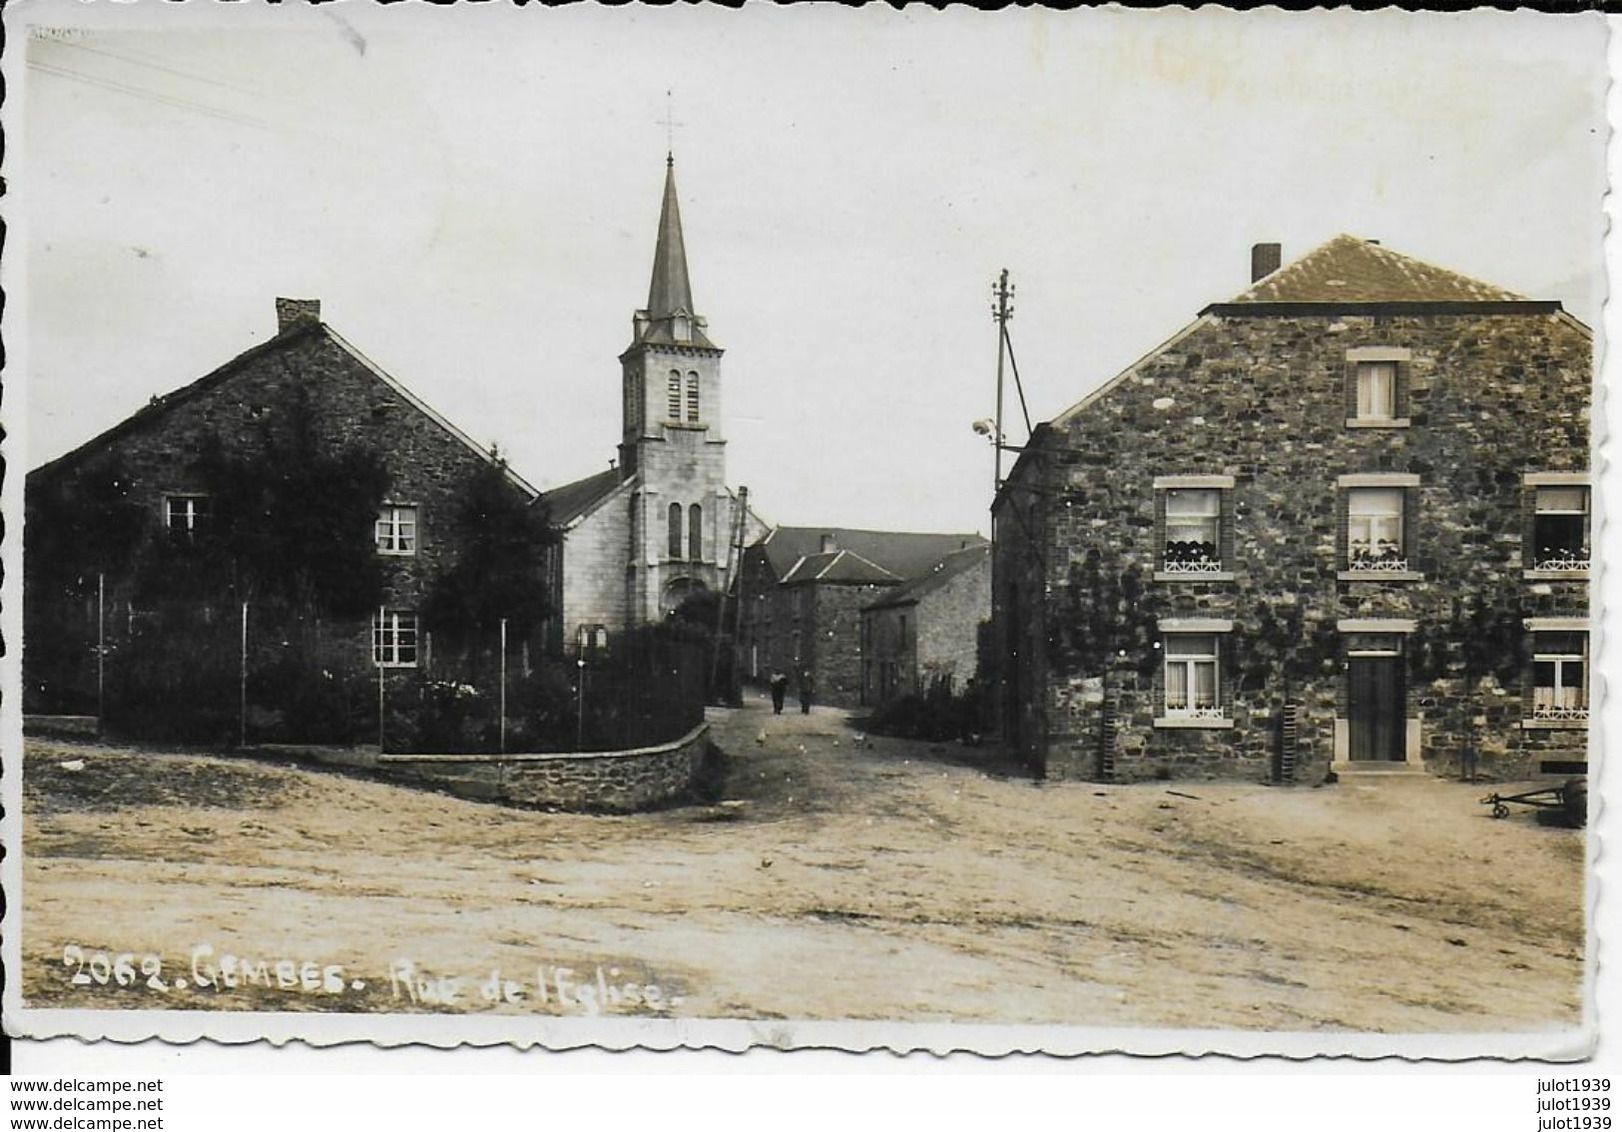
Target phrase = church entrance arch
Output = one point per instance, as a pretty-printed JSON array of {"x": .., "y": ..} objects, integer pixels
[{"x": 679, "y": 590}]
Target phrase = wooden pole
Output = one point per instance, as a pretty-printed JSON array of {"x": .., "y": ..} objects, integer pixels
[
  {"x": 101, "y": 649},
  {"x": 503, "y": 731},
  {"x": 377, "y": 656},
  {"x": 242, "y": 690}
]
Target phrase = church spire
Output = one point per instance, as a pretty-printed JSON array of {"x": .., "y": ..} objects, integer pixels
[
  {"x": 670, "y": 292},
  {"x": 669, "y": 318}
]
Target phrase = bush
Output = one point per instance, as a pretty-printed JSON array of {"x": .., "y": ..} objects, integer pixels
[{"x": 937, "y": 715}]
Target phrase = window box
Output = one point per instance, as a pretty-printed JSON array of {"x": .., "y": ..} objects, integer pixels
[
  {"x": 1376, "y": 527},
  {"x": 1558, "y": 529},
  {"x": 1194, "y": 528},
  {"x": 1558, "y": 689}
]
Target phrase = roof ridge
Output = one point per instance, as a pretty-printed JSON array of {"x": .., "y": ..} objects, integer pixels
[{"x": 1352, "y": 269}]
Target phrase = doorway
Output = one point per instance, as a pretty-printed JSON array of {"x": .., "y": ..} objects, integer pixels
[{"x": 1376, "y": 698}]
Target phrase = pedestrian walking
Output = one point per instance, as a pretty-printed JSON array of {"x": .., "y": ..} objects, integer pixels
[
  {"x": 779, "y": 690},
  {"x": 805, "y": 693}
]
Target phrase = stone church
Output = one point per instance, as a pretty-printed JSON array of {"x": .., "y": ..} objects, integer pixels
[{"x": 638, "y": 539}]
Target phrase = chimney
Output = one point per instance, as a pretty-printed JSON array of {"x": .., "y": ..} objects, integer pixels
[
  {"x": 292, "y": 313},
  {"x": 1264, "y": 260},
  {"x": 828, "y": 544}
]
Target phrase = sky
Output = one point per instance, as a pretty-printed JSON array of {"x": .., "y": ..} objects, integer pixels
[{"x": 473, "y": 195}]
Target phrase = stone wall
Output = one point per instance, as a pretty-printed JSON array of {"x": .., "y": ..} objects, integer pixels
[
  {"x": 948, "y": 622},
  {"x": 428, "y": 465},
  {"x": 595, "y": 565},
  {"x": 832, "y": 639},
  {"x": 1262, "y": 400},
  {"x": 599, "y": 781}
]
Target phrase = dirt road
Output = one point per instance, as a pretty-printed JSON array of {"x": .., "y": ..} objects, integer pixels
[{"x": 840, "y": 878}]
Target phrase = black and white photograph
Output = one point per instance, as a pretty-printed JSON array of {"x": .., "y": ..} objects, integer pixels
[{"x": 805, "y": 527}]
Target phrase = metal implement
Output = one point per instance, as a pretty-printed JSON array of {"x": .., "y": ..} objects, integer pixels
[{"x": 1570, "y": 798}]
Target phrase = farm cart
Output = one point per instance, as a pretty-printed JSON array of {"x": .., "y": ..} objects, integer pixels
[{"x": 1570, "y": 798}]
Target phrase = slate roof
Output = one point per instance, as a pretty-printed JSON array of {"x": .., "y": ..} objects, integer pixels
[
  {"x": 839, "y": 566},
  {"x": 903, "y": 554},
  {"x": 1349, "y": 269},
  {"x": 956, "y": 563},
  {"x": 160, "y": 407},
  {"x": 566, "y": 503}
]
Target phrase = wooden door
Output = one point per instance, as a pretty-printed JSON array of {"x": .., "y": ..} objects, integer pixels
[{"x": 1376, "y": 708}]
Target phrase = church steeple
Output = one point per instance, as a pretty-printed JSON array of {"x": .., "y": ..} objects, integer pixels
[
  {"x": 670, "y": 290},
  {"x": 669, "y": 317}
]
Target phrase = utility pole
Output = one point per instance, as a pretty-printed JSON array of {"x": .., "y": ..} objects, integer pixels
[
  {"x": 731, "y": 577},
  {"x": 101, "y": 650},
  {"x": 502, "y": 741},
  {"x": 242, "y": 687},
  {"x": 1003, "y": 292}
]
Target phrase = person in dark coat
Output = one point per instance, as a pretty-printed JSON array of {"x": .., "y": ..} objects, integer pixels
[
  {"x": 805, "y": 693},
  {"x": 779, "y": 690}
]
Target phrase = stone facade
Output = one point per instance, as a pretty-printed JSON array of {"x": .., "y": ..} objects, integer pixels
[
  {"x": 804, "y": 589},
  {"x": 925, "y": 636},
  {"x": 346, "y": 399},
  {"x": 1254, "y": 412}
]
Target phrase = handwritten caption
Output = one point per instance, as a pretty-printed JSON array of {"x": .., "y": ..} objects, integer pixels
[{"x": 589, "y": 989}]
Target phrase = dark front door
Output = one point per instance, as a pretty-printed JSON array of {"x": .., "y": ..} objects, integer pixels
[{"x": 1376, "y": 707}]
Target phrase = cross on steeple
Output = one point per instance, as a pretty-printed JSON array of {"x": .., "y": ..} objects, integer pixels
[{"x": 670, "y": 125}]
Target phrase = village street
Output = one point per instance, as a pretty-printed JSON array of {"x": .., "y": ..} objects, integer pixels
[{"x": 834, "y": 878}]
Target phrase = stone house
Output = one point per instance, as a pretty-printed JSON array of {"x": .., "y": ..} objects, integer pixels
[
  {"x": 658, "y": 526},
  {"x": 924, "y": 634},
  {"x": 113, "y": 523},
  {"x": 1352, "y": 531},
  {"x": 803, "y": 591}
]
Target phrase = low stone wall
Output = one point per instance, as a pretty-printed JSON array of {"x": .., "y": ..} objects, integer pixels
[
  {"x": 62, "y": 726},
  {"x": 611, "y": 781}
]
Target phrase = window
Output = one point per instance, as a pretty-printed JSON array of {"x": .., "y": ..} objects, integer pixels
[
  {"x": 1374, "y": 530},
  {"x": 1193, "y": 526},
  {"x": 1377, "y": 386},
  {"x": 1191, "y": 670},
  {"x": 1559, "y": 677},
  {"x": 673, "y": 536},
  {"x": 186, "y": 517},
  {"x": 394, "y": 639},
  {"x": 396, "y": 530},
  {"x": 692, "y": 398},
  {"x": 1376, "y": 390},
  {"x": 673, "y": 396},
  {"x": 695, "y": 533},
  {"x": 1560, "y": 528},
  {"x": 633, "y": 401}
]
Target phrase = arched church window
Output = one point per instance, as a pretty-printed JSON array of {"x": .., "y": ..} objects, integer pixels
[
  {"x": 673, "y": 409},
  {"x": 695, "y": 533},
  {"x": 692, "y": 398},
  {"x": 674, "y": 547}
]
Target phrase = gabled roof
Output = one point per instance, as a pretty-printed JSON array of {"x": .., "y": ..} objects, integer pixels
[
  {"x": 1348, "y": 269},
  {"x": 570, "y": 501},
  {"x": 956, "y": 563},
  {"x": 839, "y": 566},
  {"x": 903, "y": 554},
  {"x": 159, "y": 407}
]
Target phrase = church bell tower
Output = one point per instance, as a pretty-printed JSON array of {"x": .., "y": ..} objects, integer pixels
[{"x": 671, "y": 441}]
